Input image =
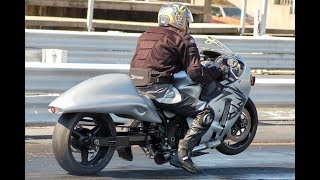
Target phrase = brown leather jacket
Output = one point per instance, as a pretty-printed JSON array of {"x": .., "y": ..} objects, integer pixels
[{"x": 167, "y": 50}]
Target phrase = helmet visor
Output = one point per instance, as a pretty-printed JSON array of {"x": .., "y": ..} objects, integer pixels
[{"x": 189, "y": 16}]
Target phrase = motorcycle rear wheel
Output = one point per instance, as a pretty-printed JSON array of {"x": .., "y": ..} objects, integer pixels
[
  {"x": 71, "y": 135},
  {"x": 248, "y": 120}
]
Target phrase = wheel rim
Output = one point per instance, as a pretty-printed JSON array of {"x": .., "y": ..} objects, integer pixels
[
  {"x": 82, "y": 149},
  {"x": 239, "y": 133}
]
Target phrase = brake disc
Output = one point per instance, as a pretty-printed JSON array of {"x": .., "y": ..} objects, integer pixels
[{"x": 241, "y": 128}]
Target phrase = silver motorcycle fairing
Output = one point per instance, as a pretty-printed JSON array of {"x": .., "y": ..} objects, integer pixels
[
  {"x": 236, "y": 93},
  {"x": 108, "y": 93}
]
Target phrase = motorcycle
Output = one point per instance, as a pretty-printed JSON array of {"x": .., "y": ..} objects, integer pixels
[{"x": 91, "y": 127}]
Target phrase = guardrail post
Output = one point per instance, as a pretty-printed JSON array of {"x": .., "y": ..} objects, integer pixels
[
  {"x": 90, "y": 15},
  {"x": 293, "y": 7},
  {"x": 264, "y": 17},
  {"x": 54, "y": 56},
  {"x": 256, "y": 25},
  {"x": 243, "y": 16},
  {"x": 206, "y": 11}
]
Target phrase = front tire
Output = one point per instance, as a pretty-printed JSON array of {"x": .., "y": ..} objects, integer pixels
[
  {"x": 71, "y": 135},
  {"x": 232, "y": 143}
]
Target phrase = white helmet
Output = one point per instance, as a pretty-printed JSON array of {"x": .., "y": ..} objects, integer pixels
[{"x": 175, "y": 14}]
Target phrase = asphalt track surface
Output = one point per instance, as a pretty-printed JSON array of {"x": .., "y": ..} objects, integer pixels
[{"x": 259, "y": 161}]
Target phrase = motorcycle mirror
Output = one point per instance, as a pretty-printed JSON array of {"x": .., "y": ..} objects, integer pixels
[{"x": 252, "y": 80}]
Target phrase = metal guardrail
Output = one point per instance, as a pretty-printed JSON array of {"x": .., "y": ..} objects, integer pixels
[
  {"x": 91, "y": 54},
  {"x": 69, "y": 40},
  {"x": 118, "y": 48},
  {"x": 57, "y": 78},
  {"x": 263, "y": 93},
  {"x": 255, "y": 61}
]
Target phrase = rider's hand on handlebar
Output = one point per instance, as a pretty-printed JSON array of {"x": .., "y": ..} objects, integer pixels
[
  {"x": 218, "y": 69},
  {"x": 217, "y": 73},
  {"x": 224, "y": 71},
  {"x": 221, "y": 63}
]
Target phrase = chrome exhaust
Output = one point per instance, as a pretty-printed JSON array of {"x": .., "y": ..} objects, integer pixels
[{"x": 160, "y": 158}]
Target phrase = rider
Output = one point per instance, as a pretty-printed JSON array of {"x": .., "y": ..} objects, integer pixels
[{"x": 162, "y": 51}]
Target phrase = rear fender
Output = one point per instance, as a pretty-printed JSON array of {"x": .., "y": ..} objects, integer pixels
[{"x": 108, "y": 93}]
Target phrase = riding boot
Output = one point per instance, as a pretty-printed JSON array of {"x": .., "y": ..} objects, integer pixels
[
  {"x": 199, "y": 127},
  {"x": 174, "y": 161}
]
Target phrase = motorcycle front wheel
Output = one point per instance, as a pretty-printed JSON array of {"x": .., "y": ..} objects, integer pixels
[
  {"x": 72, "y": 145},
  {"x": 242, "y": 132}
]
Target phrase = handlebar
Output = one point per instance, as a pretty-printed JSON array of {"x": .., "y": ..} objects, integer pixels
[{"x": 234, "y": 66}]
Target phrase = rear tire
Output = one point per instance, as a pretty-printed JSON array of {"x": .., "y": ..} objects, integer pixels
[
  {"x": 66, "y": 141},
  {"x": 250, "y": 113}
]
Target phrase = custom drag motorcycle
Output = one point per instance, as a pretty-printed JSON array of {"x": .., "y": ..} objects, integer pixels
[{"x": 91, "y": 125}]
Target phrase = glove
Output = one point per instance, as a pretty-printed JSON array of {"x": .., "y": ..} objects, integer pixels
[
  {"x": 216, "y": 73},
  {"x": 223, "y": 67},
  {"x": 224, "y": 71}
]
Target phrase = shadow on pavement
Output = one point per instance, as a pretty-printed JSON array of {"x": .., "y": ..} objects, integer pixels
[{"x": 208, "y": 173}]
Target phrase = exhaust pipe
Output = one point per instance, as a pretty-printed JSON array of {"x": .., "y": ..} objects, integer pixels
[{"x": 162, "y": 158}]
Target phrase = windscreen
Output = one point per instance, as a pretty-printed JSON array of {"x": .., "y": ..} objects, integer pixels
[{"x": 217, "y": 46}]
